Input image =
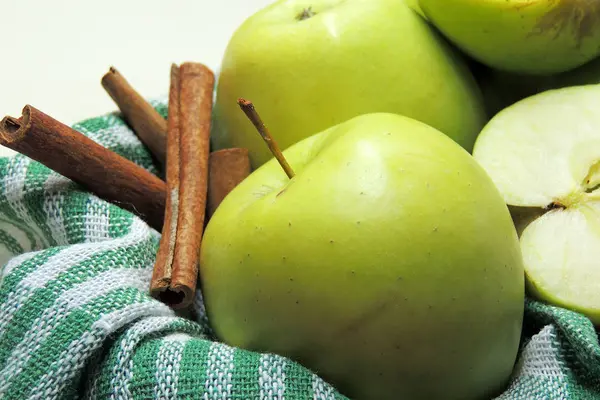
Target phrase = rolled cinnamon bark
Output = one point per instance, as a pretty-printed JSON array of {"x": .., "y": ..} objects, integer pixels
[
  {"x": 190, "y": 107},
  {"x": 146, "y": 122},
  {"x": 77, "y": 157},
  {"x": 227, "y": 169}
]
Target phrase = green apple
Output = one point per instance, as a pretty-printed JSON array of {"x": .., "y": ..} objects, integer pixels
[
  {"x": 414, "y": 4},
  {"x": 544, "y": 153},
  {"x": 388, "y": 264},
  {"x": 311, "y": 64},
  {"x": 535, "y": 37}
]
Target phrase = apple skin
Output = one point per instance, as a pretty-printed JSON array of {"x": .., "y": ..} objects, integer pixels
[
  {"x": 353, "y": 57},
  {"x": 414, "y": 4},
  {"x": 389, "y": 264},
  {"x": 534, "y": 37}
]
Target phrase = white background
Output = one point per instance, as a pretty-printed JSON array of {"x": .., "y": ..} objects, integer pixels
[{"x": 54, "y": 53}]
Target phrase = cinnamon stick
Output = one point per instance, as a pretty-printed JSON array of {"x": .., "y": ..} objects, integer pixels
[
  {"x": 190, "y": 107},
  {"x": 146, "y": 122},
  {"x": 163, "y": 267},
  {"x": 77, "y": 157},
  {"x": 227, "y": 169}
]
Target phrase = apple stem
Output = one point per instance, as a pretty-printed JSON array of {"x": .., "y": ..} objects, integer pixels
[
  {"x": 306, "y": 14},
  {"x": 253, "y": 116}
]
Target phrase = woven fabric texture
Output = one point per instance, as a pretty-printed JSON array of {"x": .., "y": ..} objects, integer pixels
[{"x": 76, "y": 320}]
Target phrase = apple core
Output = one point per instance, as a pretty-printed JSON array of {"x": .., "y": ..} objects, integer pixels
[{"x": 592, "y": 180}]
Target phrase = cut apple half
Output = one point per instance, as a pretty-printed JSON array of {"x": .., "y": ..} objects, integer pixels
[{"x": 543, "y": 154}]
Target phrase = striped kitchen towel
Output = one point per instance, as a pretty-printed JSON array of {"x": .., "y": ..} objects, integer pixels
[{"x": 76, "y": 320}]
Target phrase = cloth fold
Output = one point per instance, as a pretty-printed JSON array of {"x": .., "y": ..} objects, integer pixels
[{"x": 76, "y": 320}]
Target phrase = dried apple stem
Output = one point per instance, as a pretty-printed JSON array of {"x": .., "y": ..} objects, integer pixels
[
  {"x": 253, "y": 116},
  {"x": 306, "y": 14}
]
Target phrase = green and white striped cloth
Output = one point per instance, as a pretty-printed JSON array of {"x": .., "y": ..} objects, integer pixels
[{"x": 76, "y": 320}]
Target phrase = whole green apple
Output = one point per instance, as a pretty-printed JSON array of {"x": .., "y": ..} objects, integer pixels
[
  {"x": 522, "y": 36},
  {"x": 388, "y": 264},
  {"x": 311, "y": 64}
]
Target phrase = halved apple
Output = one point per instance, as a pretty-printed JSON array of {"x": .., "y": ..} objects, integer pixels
[{"x": 543, "y": 154}]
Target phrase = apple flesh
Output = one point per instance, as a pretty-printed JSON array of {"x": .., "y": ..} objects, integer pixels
[
  {"x": 544, "y": 153},
  {"x": 311, "y": 64},
  {"x": 534, "y": 37},
  {"x": 388, "y": 264}
]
